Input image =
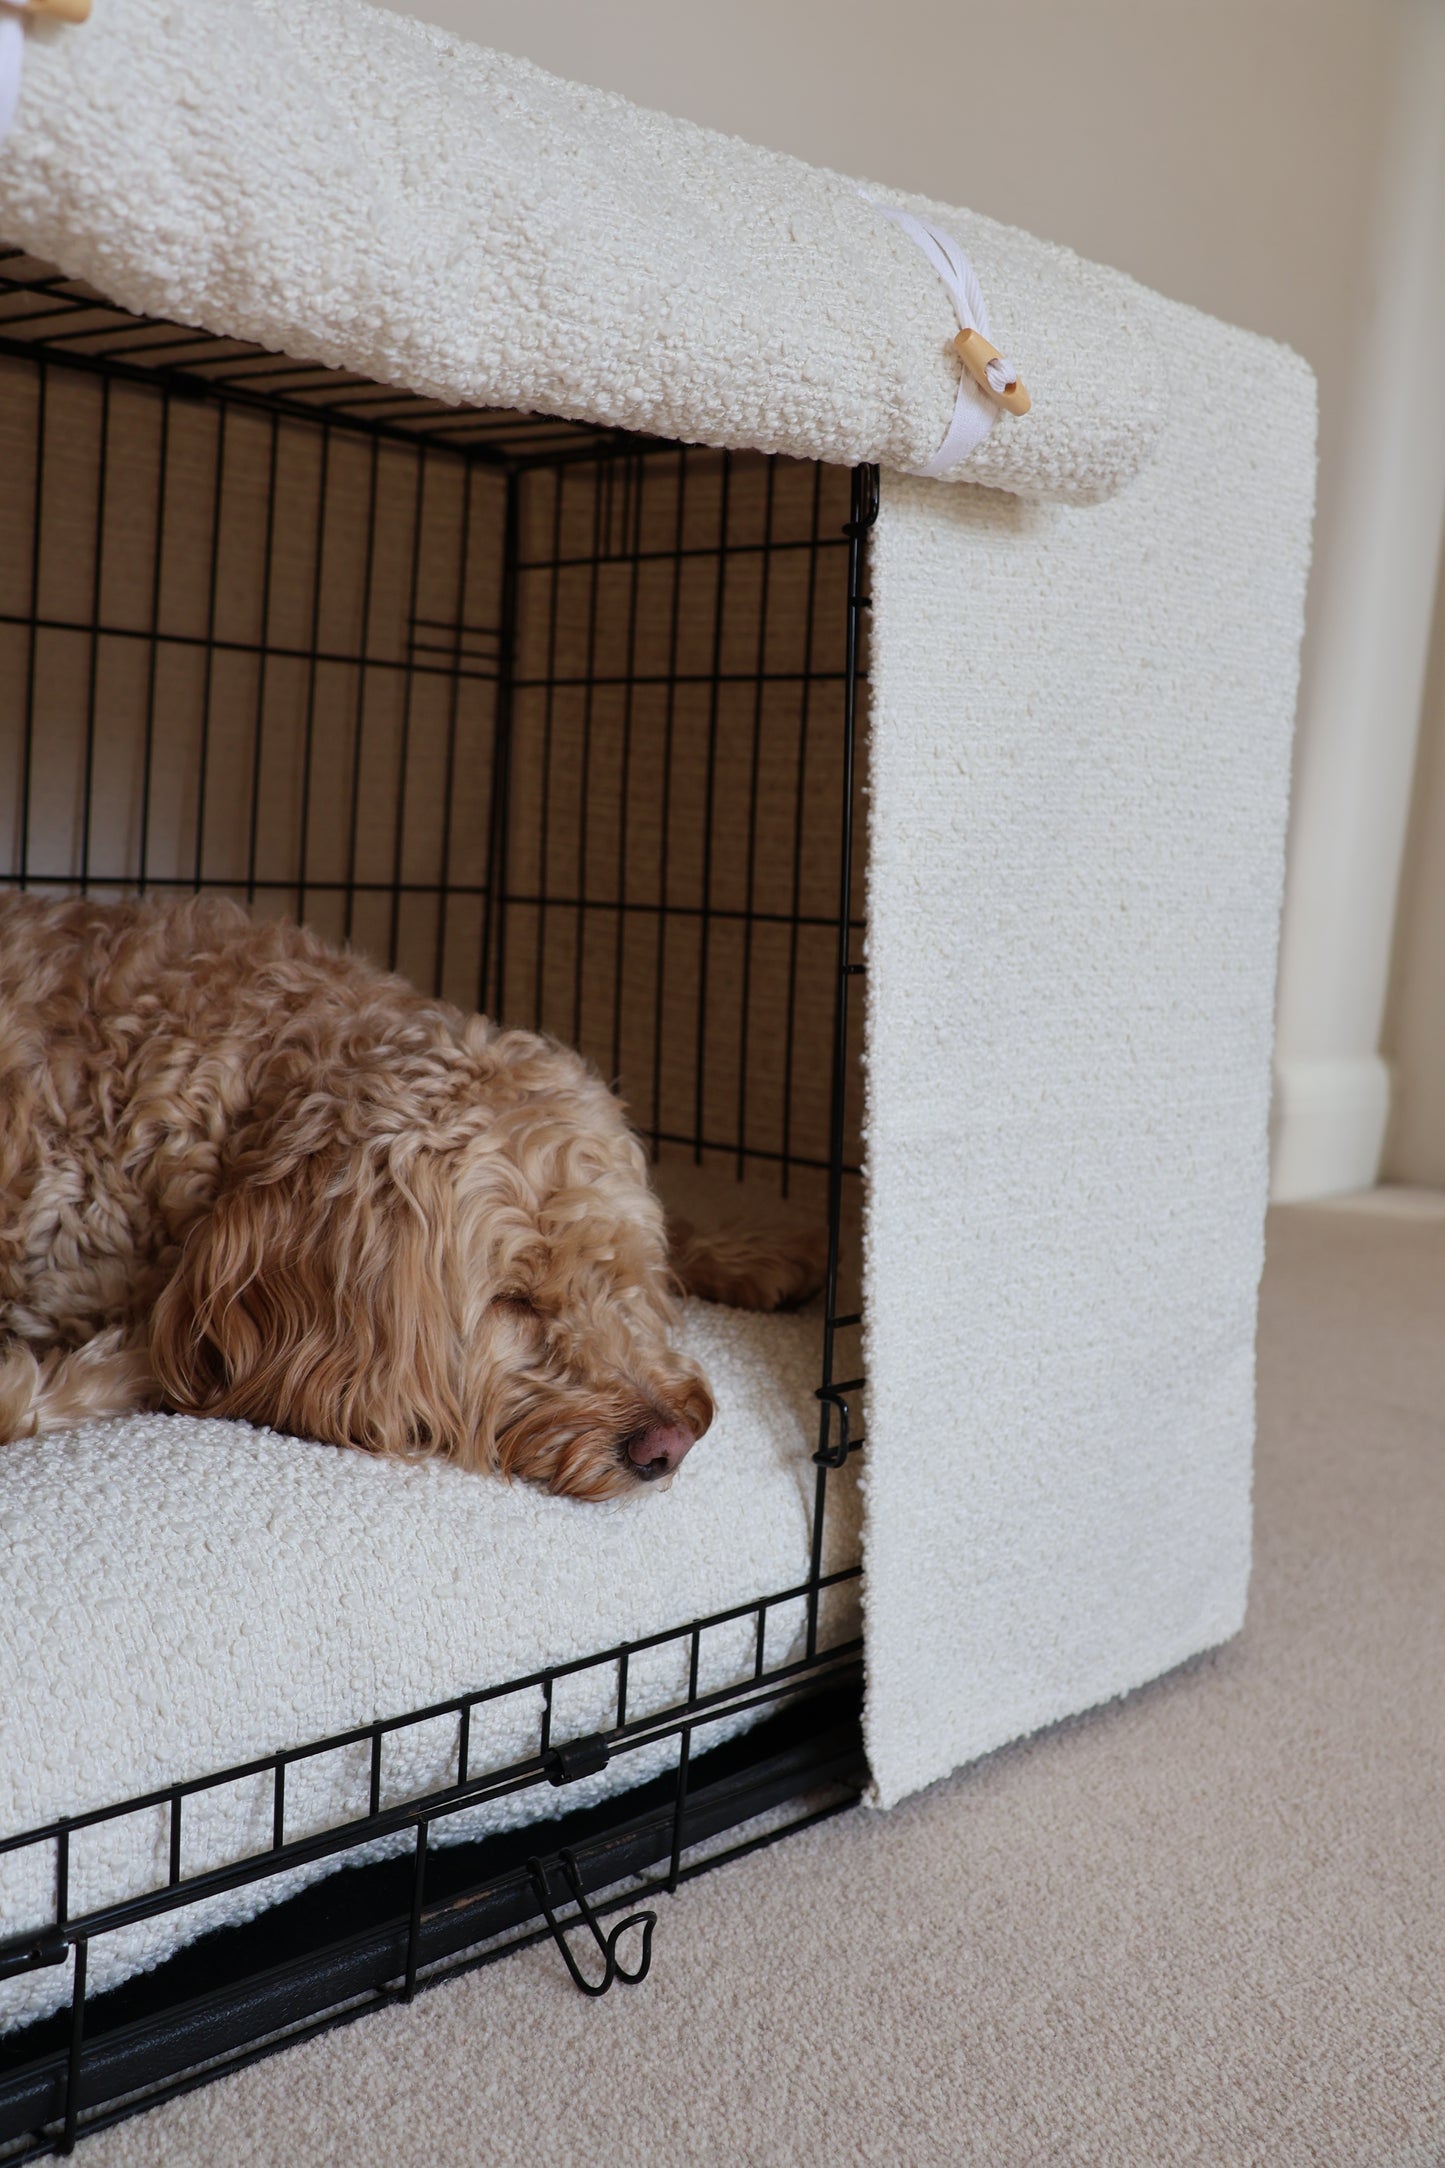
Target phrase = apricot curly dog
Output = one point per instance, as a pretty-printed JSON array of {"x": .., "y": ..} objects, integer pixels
[{"x": 244, "y": 1174}]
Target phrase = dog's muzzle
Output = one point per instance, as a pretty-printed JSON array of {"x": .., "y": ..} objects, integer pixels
[{"x": 656, "y": 1452}]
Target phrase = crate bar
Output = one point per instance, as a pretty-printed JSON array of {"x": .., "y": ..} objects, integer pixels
[
  {"x": 153, "y": 636},
  {"x": 180, "y": 383},
  {"x": 601, "y": 509},
  {"x": 93, "y": 668},
  {"x": 810, "y": 615},
  {"x": 453, "y": 704},
  {"x": 268, "y": 566},
  {"x": 33, "y": 622},
  {"x": 751, "y": 870},
  {"x": 774, "y": 548},
  {"x": 271, "y": 651},
  {"x": 494, "y": 924},
  {"x": 363, "y": 662},
  {"x": 715, "y": 683},
  {"x": 418, "y": 1894},
  {"x": 308, "y": 739},
  {"x": 633, "y": 473},
  {"x": 77, "y": 2042},
  {"x": 544, "y": 824},
  {"x": 669, "y": 732},
  {"x": 280, "y": 884},
  {"x": 679, "y": 1810},
  {"x": 864, "y": 510},
  {"x": 208, "y": 644}
]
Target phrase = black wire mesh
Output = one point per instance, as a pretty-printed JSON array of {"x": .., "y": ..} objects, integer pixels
[
  {"x": 560, "y": 724},
  {"x": 563, "y": 741},
  {"x": 78, "y": 326}
]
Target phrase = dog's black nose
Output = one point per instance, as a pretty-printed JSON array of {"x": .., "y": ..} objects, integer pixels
[{"x": 658, "y": 1451}]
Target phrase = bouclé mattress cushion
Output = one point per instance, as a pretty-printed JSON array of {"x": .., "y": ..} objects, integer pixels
[{"x": 184, "y": 1595}]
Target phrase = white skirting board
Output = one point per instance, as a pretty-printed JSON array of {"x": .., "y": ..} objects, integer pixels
[{"x": 1329, "y": 1119}]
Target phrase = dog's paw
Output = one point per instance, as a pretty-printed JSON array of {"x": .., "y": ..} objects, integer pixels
[
  {"x": 739, "y": 1242},
  {"x": 750, "y": 1267}
]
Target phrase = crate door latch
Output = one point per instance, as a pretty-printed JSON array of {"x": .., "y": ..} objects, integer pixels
[{"x": 585, "y": 1916}]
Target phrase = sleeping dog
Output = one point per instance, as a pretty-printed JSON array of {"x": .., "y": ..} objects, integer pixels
[{"x": 243, "y": 1173}]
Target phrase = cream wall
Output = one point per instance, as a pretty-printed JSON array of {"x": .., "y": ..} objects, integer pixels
[
  {"x": 1372, "y": 605},
  {"x": 1243, "y": 155}
]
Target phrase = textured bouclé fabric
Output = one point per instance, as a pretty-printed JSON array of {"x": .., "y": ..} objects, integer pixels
[
  {"x": 1082, "y": 683},
  {"x": 185, "y": 1595},
  {"x": 360, "y": 189},
  {"x": 1080, "y": 739}
]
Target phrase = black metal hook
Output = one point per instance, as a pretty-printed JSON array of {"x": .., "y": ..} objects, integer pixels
[
  {"x": 606, "y": 1943},
  {"x": 867, "y": 496},
  {"x": 834, "y": 1456}
]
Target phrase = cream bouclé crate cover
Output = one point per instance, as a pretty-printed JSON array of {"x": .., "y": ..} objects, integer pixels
[{"x": 1083, "y": 670}]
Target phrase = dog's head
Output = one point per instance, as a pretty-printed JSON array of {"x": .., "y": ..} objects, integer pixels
[{"x": 439, "y": 1240}]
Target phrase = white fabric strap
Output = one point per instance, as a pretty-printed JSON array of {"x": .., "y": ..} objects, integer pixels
[
  {"x": 974, "y": 413},
  {"x": 12, "y": 62}
]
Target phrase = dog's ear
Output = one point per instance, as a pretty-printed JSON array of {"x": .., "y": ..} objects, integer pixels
[{"x": 308, "y": 1299}]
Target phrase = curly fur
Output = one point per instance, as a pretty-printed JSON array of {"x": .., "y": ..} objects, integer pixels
[{"x": 244, "y": 1174}]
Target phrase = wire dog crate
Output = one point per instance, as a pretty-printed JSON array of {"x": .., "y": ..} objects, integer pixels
[{"x": 563, "y": 725}]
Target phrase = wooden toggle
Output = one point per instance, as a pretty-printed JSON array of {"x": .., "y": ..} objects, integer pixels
[
  {"x": 975, "y": 353},
  {"x": 63, "y": 11}
]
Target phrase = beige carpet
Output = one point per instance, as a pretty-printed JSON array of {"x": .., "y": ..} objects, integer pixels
[{"x": 1207, "y": 1924}]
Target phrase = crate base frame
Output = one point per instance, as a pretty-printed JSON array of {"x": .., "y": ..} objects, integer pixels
[{"x": 234, "y": 2014}]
